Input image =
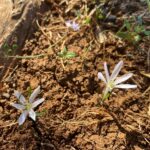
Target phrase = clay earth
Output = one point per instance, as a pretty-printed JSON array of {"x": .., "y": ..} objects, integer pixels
[{"x": 72, "y": 117}]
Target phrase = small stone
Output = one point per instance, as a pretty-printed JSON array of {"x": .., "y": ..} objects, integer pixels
[
  {"x": 3, "y": 101},
  {"x": 1, "y": 109},
  {"x": 34, "y": 83},
  {"x": 6, "y": 95},
  {"x": 13, "y": 85},
  {"x": 135, "y": 108},
  {"x": 43, "y": 80},
  {"x": 111, "y": 18}
]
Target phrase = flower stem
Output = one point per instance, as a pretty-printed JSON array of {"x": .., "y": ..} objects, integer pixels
[{"x": 105, "y": 96}]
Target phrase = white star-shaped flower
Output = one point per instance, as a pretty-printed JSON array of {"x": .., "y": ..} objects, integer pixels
[
  {"x": 27, "y": 106},
  {"x": 113, "y": 81}
]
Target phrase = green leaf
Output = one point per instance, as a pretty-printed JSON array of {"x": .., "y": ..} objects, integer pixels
[
  {"x": 139, "y": 29},
  {"x": 147, "y": 33},
  {"x": 70, "y": 55},
  {"x": 65, "y": 50},
  {"x": 87, "y": 20},
  {"x": 125, "y": 35},
  {"x": 65, "y": 54},
  {"x": 130, "y": 36},
  {"x": 5, "y": 46},
  {"x": 99, "y": 14},
  {"x": 137, "y": 38},
  {"x": 139, "y": 19},
  {"x": 127, "y": 24},
  {"x": 14, "y": 46}
]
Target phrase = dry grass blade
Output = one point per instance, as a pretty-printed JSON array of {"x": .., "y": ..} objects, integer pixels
[
  {"x": 9, "y": 125},
  {"x": 72, "y": 4}
]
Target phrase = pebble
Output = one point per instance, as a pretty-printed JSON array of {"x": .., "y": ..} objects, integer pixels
[
  {"x": 34, "y": 83},
  {"x": 111, "y": 18},
  {"x": 1, "y": 109},
  {"x": 6, "y": 95}
]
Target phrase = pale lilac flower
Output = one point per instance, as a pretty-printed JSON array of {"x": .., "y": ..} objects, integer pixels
[
  {"x": 27, "y": 106},
  {"x": 113, "y": 81},
  {"x": 73, "y": 25}
]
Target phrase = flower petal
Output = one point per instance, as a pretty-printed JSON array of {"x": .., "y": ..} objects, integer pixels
[
  {"x": 116, "y": 70},
  {"x": 37, "y": 102},
  {"x": 101, "y": 77},
  {"x": 68, "y": 23},
  {"x": 22, "y": 117},
  {"x": 75, "y": 26},
  {"x": 123, "y": 78},
  {"x": 18, "y": 106},
  {"x": 126, "y": 86},
  {"x": 72, "y": 24},
  {"x": 106, "y": 71},
  {"x": 34, "y": 94},
  {"x": 32, "y": 114},
  {"x": 20, "y": 97}
]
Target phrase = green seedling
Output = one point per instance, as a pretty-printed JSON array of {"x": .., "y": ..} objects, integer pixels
[
  {"x": 9, "y": 50},
  {"x": 65, "y": 54},
  {"x": 87, "y": 20},
  {"x": 99, "y": 14},
  {"x": 133, "y": 31}
]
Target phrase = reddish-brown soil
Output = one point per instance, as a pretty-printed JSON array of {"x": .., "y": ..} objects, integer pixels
[{"x": 71, "y": 117}]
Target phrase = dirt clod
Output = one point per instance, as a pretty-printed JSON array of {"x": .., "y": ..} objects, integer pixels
[{"x": 72, "y": 116}]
